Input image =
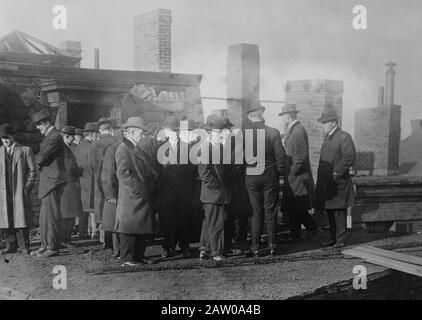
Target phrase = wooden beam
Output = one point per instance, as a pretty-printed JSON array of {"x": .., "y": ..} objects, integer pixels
[
  {"x": 385, "y": 262},
  {"x": 392, "y": 255}
]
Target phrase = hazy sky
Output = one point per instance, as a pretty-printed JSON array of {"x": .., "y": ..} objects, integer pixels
[{"x": 298, "y": 39}]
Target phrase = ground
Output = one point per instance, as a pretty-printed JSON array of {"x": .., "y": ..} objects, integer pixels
[{"x": 305, "y": 268}]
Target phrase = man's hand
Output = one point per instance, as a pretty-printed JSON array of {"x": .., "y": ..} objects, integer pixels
[
  {"x": 112, "y": 201},
  {"x": 336, "y": 176}
]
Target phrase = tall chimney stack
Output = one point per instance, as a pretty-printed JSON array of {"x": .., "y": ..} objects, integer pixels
[
  {"x": 152, "y": 41},
  {"x": 389, "y": 94},
  {"x": 380, "y": 96},
  {"x": 97, "y": 58}
]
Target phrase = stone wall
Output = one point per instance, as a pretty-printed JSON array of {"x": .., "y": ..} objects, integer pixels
[
  {"x": 310, "y": 97},
  {"x": 152, "y": 41}
]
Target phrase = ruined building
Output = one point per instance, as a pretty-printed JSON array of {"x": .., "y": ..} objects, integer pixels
[{"x": 34, "y": 75}]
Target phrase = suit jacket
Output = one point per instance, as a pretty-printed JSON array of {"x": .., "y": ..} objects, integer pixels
[
  {"x": 96, "y": 157},
  {"x": 274, "y": 151},
  {"x": 337, "y": 155},
  {"x": 81, "y": 152},
  {"x": 214, "y": 177},
  {"x": 298, "y": 181},
  {"x": 23, "y": 178},
  {"x": 71, "y": 205},
  {"x": 50, "y": 161},
  {"x": 134, "y": 214}
]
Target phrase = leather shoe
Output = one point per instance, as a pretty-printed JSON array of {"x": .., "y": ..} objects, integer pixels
[
  {"x": 6, "y": 251},
  {"x": 339, "y": 245},
  {"x": 37, "y": 252},
  {"x": 328, "y": 243},
  {"x": 219, "y": 258},
  {"x": 48, "y": 253}
]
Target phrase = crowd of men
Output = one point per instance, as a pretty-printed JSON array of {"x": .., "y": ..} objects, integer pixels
[{"x": 106, "y": 182}]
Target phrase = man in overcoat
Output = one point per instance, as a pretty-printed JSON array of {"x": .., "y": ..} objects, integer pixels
[
  {"x": 215, "y": 194},
  {"x": 96, "y": 156},
  {"x": 264, "y": 188},
  {"x": 50, "y": 161},
  {"x": 134, "y": 216},
  {"x": 81, "y": 152},
  {"x": 334, "y": 189},
  {"x": 17, "y": 177},
  {"x": 298, "y": 181},
  {"x": 71, "y": 205},
  {"x": 177, "y": 191}
]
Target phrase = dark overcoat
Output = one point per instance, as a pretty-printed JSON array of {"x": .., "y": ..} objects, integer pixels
[
  {"x": 110, "y": 185},
  {"x": 214, "y": 177},
  {"x": 178, "y": 180},
  {"x": 337, "y": 156},
  {"x": 50, "y": 161},
  {"x": 97, "y": 152},
  {"x": 134, "y": 214},
  {"x": 71, "y": 205},
  {"x": 81, "y": 152},
  {"x": 298, "y": 181},
  {"x": 23, "y": 175}
]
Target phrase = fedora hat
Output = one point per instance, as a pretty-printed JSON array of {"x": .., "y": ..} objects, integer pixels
[
  {"x": 7, "y": 130},
  {"x": 136, "y": 122},
  {"x": 104, "y": 120},
  {"x": 227, "y": 122},
  {"x": 79, "y": 132},
  {"x": 328, "y": 114},
  {"x": 90, "y": 126},
  {"x": 214, "y": 122},
  {"x": 40, "y": 115},
  {"x": 172, "y": 122},
  {"x": 254, "y": 105},
  {"x": 288, "y": 108},
  {"x": 70, "y": 130}
]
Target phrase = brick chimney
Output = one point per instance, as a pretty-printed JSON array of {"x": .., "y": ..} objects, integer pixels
[
  {"x": 73, "y": 49},
  {"x": 389, "y": 88},
  {"x": 152, "y": 41}
]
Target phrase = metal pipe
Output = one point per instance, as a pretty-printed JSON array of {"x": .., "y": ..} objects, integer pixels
[{"x": 234, "y": 99}]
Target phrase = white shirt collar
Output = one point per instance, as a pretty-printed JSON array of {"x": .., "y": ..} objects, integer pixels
[
  {"x": 49, "y": 129},
  {"x": 11, "y": 148},
  {"x": 293, "y": 123},
  {"x": 332, "y": 131}
]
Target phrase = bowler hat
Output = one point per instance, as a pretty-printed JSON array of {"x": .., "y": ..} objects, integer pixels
[
  {"x": 288, "y": 108},
  {"x": 6, "y": 130},
  {"x": 328, "y": 114},
  {"x": 104, "y": 120},
  {"x": 70, "y": 130},
  {"x": 254, "y": 106},
  {"x": 136, "y": 122},
  {"x": 40, "y": 115},
  {"x": 172, "y": 122},
  {"x": 90, "y": 126},
  {"x": 214, "y": 122},
  {"x": 228, "y": 123},
  {"x": 78, "y": 132}
]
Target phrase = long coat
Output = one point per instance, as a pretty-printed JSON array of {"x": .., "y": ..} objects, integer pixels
[
  {"x": 23, "y": 179},
  {"x": 134, "y": 214},
  {"x": 50, "y": 161},
  {"x": 214, "y": 177},
  {"x": 96, "y": 156},
  {"x": 70, "y": 202},
  {"x": 298, "y": 181},
  {"x": 337, "y": 156},
  {"x": 110, "y": 185},
  {"x": 81, "y": 152}
]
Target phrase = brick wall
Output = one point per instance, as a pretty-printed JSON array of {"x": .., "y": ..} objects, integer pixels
[
  {"x": 377, "y": 131},
  {"x": 152, "y": 41},
  {"x": 310, "y": 97}
]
